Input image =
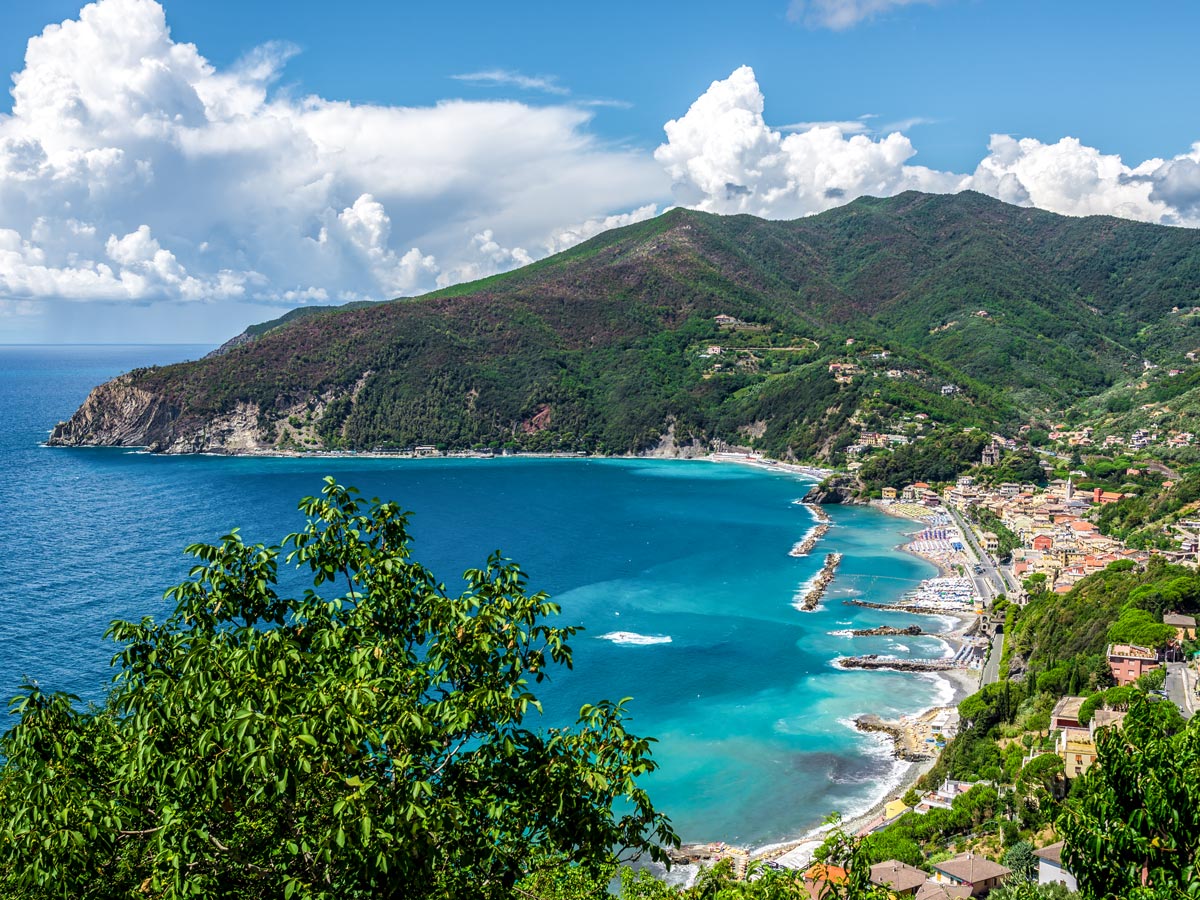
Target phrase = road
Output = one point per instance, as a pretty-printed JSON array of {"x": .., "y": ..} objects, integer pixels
[
  {"x": 995, "y": 581},
  {"x": 1180, "y": 688},
  {"x": 991, "y": 669}
]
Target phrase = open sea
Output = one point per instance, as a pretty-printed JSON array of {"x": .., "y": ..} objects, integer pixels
[{"x": 678, "y": 571}]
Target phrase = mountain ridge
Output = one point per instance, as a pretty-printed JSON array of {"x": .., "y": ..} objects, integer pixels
[{"x": 605, "y": 347}]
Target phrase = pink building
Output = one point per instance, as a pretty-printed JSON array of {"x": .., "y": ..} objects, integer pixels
[{"x": 1129, "y": 662}]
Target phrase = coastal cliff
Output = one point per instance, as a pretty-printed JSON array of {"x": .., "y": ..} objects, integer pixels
[
  {"x": 836, "y": 489},
  {"x": 118, "y": 413}
]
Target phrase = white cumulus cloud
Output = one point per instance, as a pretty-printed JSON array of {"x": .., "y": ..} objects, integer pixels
[
  {"x": 723, "y": 157},
  {"x": 133, "y": 169}
]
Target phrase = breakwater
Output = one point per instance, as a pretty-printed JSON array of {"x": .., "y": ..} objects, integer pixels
[
  {"x": 821, "y": 582},
  {"x": 898, "y": 607},
  {"x": 883, "y": 631},
  {"x": 805, "y": 547},
  {"x": 915, "y": 739},
  {"x": 874, "y": 661}
]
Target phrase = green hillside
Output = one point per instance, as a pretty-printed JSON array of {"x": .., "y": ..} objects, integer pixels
[{"x": 603, "y": 347}]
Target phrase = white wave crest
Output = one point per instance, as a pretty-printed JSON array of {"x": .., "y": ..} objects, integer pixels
[{"x": 633, "y": 639}]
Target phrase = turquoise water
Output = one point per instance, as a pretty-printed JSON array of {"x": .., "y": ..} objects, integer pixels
[{"x": 752, "y": 718}]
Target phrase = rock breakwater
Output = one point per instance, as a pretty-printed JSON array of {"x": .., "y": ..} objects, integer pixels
[
  {"x": 883, "y": 630},
  {"x": 821, "y": 582}
]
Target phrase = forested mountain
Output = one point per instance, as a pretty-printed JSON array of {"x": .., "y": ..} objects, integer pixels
[{"x": 959, "y": 307}]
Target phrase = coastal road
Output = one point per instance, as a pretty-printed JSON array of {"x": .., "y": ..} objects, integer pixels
[
  {"x": 991, "y": 669},
  {"x": 991, "y": 577},
  {"x": 1179, "y": 687}
]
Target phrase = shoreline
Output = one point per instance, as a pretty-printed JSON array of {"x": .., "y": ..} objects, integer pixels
[
  {"x": 747, "y": 459},
  {"x": 797, "y": 852},
  {"x": 907, "y": 512}
]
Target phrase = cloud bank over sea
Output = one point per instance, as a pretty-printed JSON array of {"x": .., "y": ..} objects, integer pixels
[{"x": 135, "y": 172}]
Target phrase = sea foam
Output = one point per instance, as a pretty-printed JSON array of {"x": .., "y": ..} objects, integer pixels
[{"x": 633, "y": 639}]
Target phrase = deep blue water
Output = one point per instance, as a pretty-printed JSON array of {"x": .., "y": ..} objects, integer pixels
[{"x": 750, "y": 715}]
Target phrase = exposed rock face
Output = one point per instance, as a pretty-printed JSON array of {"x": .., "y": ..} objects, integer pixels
[
  {"x": 837, "y": 489},
  {"x": 118, "y": 414}
]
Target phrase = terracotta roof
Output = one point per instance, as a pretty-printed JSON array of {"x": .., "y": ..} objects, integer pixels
[
  {"x": 897, "y": 875},
  {"x": 972, "y": 869},
  {"x": 822, "y": 872},
  {"x": 1053, "y": 853},
  {"x": 933, "y": 891}
]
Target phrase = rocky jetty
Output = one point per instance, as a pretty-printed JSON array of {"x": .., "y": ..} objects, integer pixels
[
  {"x": 883, "y": 630},
  {"x": 910, "y": 737},
  {"x": 919, "y": 609},
  {"x": 821, "y": 582},
  {"x": 874, "y": 661},
  {"x": 710, "y": 854},
  {"x": 805, "y": 547}
]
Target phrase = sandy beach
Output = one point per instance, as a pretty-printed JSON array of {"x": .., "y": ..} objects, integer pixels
[{"x": 944, "y": 557}]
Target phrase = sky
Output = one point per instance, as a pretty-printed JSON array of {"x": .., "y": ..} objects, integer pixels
[{"x": 175, "y": 171}]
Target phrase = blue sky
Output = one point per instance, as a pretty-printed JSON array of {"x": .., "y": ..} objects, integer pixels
[{"x": 331, "y": 165}]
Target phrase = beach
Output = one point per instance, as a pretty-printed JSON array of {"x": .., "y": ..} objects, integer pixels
[{"x": 909, "y": 734}]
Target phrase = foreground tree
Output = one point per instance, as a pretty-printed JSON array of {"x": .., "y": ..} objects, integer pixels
[
  {"x": 370, "y": 743},
  {"x": 1132, "y": 827}
]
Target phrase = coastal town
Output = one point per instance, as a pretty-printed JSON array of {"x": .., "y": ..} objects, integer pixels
[{"x": 1053, "y": 545}]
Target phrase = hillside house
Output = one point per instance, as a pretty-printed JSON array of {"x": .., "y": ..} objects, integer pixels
[
  {"x": 819, "y": 877},
  {"x": 933, "y": 891},
  {"x": 1129, "y": 662},
  {"x": 901, "y": 879},
  {"x": 991, "y": 542},
  {"x": 978, "y": 873},
  {"x": 889, "y": 493},
  {"x": 1051, "y": 869},
  {"x": 1076, "y": 747},
  {"x": 1185, "y": 626},
  {"x": 1066, "y": 713}
]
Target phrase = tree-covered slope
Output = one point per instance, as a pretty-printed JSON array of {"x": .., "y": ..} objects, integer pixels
[{"x": 606, "y": 346}]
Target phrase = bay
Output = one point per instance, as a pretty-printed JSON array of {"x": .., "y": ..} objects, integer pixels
[{"x": 752, "y": 720}]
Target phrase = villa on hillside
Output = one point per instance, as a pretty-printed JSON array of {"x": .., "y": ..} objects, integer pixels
[
  {"x": 1129, "y": 662},
  {"x": 819, "y": 877},
  {"x": 1066, "y": 713},
  {"x": 1076, "y": 747},
  {"x": 1185, "y": 626},
  {"x": 901, "y": 879},
  {"x": 978, "y": 873}
]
